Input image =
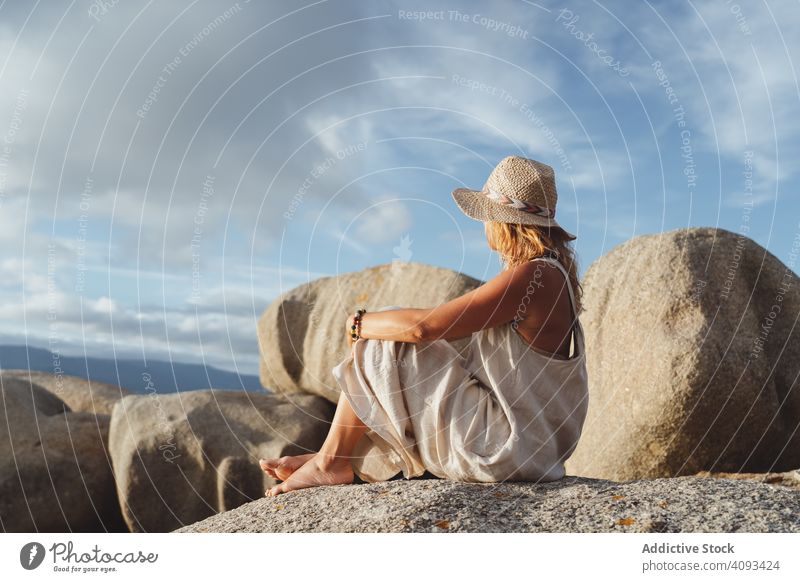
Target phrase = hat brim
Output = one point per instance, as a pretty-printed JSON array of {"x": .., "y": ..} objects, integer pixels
[{"x": 476, "y": 205}]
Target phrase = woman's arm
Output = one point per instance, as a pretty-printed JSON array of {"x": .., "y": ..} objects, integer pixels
[
  {"x": 495, "y": 302},
  {"x": 400, "y": 325}
]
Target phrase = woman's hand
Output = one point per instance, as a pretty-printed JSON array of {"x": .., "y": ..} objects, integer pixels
[{"x": 350, "y": 320}]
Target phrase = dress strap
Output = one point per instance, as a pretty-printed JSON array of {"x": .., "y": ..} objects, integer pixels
[{"x": 576, "y": 327}]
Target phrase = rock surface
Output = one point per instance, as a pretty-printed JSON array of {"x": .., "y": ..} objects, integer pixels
[
  {"x": 181, "y": 457},
  {"x": 55, "y": 472},
  {"x": 79, "y": 394},
  {"x": 786, "y": 479},
  {"x": 573, "y": 504},
  {"x": 691, "y": 365},
  {"x": 301, "y": 335}
]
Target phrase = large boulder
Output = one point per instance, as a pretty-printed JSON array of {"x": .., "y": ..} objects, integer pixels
[
  {"x": 572, "y": 504},
  {"x": 179, "y": 458},
  {"x": 301, "y": 335},
  {"x": 80, "y": 394},
  {"x": 55, "y": 472},
  {"x": 693, "y": 350}
]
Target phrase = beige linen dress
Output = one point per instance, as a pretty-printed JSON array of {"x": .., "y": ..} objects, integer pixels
[{"x": 504, "y": 412}]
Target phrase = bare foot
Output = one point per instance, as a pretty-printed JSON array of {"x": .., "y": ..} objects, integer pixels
[
  {"x": 282, "y": 467},
  {"x": 314, "y": 473}
]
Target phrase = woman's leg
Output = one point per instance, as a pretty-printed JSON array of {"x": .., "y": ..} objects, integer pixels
[
  {"x": 332, "y": 464},
  {"x": 346, "y": 429}
]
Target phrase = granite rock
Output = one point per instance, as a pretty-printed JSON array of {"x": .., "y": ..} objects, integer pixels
[
  {"x": 572, "y": 504},
  {"x": 80, "y": 394},
  {"x": 693, "y": 354},
  {"x": 301, "y": 335},
  {"x": 55, "y": 470},
  {"x": 181, "y": 457}
]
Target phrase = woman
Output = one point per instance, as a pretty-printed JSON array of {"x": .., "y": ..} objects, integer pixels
[{"x": 513, "y": 408}]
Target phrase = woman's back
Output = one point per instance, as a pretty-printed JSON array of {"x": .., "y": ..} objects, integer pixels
[{"x": 545, "y": 317}]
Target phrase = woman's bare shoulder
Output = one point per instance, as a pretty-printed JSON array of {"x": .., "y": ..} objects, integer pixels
[
  {"x": 532, "y": 278},
  {"x": 537, "y": 271}
]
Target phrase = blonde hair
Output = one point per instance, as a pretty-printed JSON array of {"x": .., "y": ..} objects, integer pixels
[{"x": 519, "y": 243}]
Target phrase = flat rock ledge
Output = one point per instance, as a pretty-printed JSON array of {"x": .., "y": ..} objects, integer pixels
[{"x": 573, "y": 504}]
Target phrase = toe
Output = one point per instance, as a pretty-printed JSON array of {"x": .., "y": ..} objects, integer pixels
[
  {"x": 267, "y": 467},
  {"x": 273, "y": 491}
]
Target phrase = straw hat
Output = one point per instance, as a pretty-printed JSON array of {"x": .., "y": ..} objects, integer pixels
[{"x": 518, "y": 190}]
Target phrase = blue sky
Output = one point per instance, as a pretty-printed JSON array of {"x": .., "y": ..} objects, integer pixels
[{"x": 167, "y": 169}]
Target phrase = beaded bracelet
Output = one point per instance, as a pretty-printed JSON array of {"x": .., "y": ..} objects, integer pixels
[{"x": 355, "y": 329}]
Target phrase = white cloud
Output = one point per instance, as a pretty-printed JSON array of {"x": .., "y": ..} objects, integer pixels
[
  {"x": 383, "y": 222},
  {"x": 91, "y": 327},
  {"x": 105, "y": 306}
]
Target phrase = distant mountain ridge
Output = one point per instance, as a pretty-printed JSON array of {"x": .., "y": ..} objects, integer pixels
[{"x": 133, "y": 374}]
